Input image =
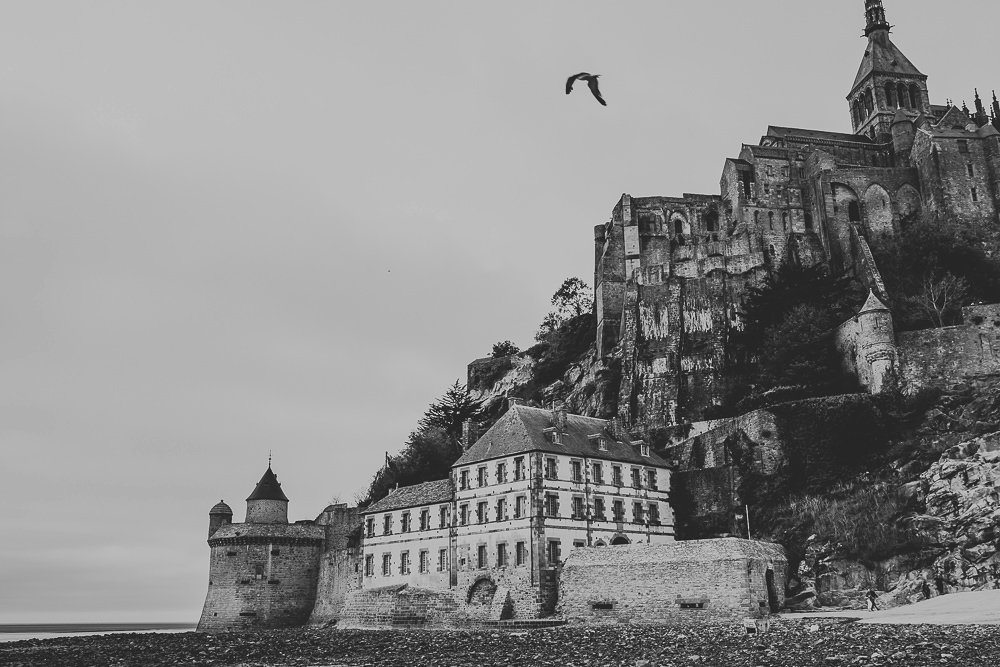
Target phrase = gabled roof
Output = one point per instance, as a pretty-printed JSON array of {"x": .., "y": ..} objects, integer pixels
[
  {"x": 268, "y": 488},
  {"x": 954, "y": 118},
  {"x": 872, "y": 304},
  {"x": 523, "y": 429},
  {"x": 428, "y": 493},
  {"x": 883, "y": 57},
  {"x": 819, "y": 135}
]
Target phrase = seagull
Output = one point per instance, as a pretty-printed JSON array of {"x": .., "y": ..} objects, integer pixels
[{"x": 591, "y": 80}]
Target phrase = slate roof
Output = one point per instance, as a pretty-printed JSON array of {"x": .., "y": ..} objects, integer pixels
[
  {"x": 268, "y": 488},
  {"x": 306, "y": 530},
  {"x": 686, "y": 551},
  {"x": 883, "y": 57},
  {"x": 221, "y": 508},
  {"x": 522, "y": 429},
  {"x": 819, "y": 135},
  {"x": 428, "y": 493}
]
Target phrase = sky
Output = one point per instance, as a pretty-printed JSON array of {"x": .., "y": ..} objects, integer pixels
[{"x": 234, "y": 227}]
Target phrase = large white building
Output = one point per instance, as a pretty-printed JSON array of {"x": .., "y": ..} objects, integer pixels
[{"x": 536, "y": 485}]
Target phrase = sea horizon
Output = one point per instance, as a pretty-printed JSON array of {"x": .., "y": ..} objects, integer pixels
[{"x": 13, "y": 632}]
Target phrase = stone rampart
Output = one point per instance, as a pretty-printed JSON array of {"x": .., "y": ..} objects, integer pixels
[
  {"x": 937, "y": 357},
  {"x": 401, "y": 607}
]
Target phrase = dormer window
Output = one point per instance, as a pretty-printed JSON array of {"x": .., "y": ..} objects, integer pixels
[
  {"x": 644, "y": 449},
  {"x": 553, "y": 435},
  {"x": 599, "y": 441}
]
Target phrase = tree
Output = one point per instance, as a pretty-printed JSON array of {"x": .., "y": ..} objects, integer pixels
[
  {"x": 427, "y": 456},
  {"x": 450, "y": 411},
  {"x": 504, "y": 349},
  {"x": 940, "y": 296},
  {"x": 573, "y": 299}
]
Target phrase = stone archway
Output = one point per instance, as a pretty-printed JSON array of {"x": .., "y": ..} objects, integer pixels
[
  {"x": 620, "y": 539},
  {"x": 878, "y": 211},
  {"x": 481, "y": 592}
]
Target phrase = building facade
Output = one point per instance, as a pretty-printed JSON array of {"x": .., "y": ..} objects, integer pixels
[{"x": 672, "y": 273}]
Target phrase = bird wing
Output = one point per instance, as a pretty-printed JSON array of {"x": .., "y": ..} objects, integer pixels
[
  {"x": 592, "y": 83},
  {"x": 570, "y": 81}
]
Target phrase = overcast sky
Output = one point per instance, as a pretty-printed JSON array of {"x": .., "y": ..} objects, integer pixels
[{"x": 234, "y": 227}]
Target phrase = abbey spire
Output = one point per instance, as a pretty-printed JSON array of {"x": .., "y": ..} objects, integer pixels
[
  {"x": 875, "y": 13},
  {"x": 886, "y": 81}
]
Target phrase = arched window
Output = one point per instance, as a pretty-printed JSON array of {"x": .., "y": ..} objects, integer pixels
[
  {"x": 678, "y": 227},
  {"x": 915, "y": 101},
  {"x": 711, "y": 220},
  {"x": 902, "y": 95},
  {"x": 890, "y": 95},
  {"x": 854, "y": 212},
  {"x": 770, "y": 220},
  {"x": 784, "y": 220},
  {"x": 756, "y": 218},
  {"x": 869, "y": 105}
]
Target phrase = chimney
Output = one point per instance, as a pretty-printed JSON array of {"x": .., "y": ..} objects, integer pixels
[
  {"x": 614, "y": 428},
  {"x": 559, "y": 417},
  {"x": 468, "y": 434}
]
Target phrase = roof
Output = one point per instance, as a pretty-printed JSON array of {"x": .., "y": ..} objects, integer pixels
[
  {"x": 819, "y": 135},
  {"x": 522, "y": 429},
  {"x": 872, "y": 304},
  {"x": 221, "y": 508},
  {"x": 286, "y": 530},
  {"x": 428, "y": 493},
  {"x": 883, "y": 57},
  {"x": 268, "y": 488},
  {"x": 688, "y": 551}
]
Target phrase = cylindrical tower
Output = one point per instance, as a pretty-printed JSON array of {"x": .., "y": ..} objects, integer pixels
[
  {"x": 219, "y": 516},
  {"x": 267, "y": 503}
]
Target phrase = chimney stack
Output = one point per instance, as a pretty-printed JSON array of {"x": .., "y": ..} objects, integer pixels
[
  {"x": 559, "y": 417},
  {"x": 512, "y": 401},
  {"x": 469, "y": 434}
]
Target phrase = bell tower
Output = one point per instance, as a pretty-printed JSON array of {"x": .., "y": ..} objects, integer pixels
[{"x": 886, "y": 82}]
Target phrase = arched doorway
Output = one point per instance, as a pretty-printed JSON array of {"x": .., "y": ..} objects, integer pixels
[
  {"x": 772, "y": 592},
  {"x": 481, "y": 593},
  {"x": 619, "y": 539},
  {"x": 878, "y": 208}
]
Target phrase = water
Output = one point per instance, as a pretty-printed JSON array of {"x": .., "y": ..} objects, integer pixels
[{"x": 20, "y": 632}]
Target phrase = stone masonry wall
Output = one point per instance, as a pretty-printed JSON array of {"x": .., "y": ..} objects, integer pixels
[
  {"x": 401, "y": 606},
  {"x": 934, "y": 357}
]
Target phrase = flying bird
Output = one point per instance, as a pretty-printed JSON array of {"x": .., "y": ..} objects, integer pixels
[{"x": 591, "y": 80}]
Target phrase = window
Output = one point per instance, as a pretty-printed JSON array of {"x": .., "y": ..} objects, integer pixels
[
  {"x": 963, "y": 146},
  {"x": 809, "y": 220},
  {"x": 386, "y": 565},
  {"x": 579, "y": 543},
  {"x": 482, "y": 512},
  {"x": 554, "y": 436},
  {"x": 975, "y": 194},
  {"x": 637, "y": 512},
  {"x": 553, "y": 552},
  {"x": 481, "y": 476},
  {"x": 551, "y": 505},
  {"x": 463, "y": 515},
  {"x": 369, "y": 565},
  {"x": 424, "y": 564},
  {"x": 387, "y": 524},
  {"x": 770, "y": 220},
  {"x": 576, "y": 469},
  {"x": 644, "y": 449},
  {"x": 578, "y": 507},
  {"x": 550, "y": 469},
  {"x": 481, "y": 556},
  {"x": 972, "y": 169},
  {"x": 501, "y": 509},
  {"x": 519, "y": 469},
  {"x": 442, "y": 560},
  {"x": 651, "y": 479},
  {"x": 425, "y": 519},
  {"x": 654, "y": 514},
  {"x": 370, "y": 527},
  {"x": 598, "y": 473},
  {"x": 501, "y": 473},
  {"x": 616, "y": 475},
  {"x": 463, "y": 480},
  {"x": 404, "y": 562},
  {"x": 636, "y": 478},
  {"x": 520, "y": 553},
  {"x": 443, "y": 517},
  {"x": 618, "y": 509},
  {"x": 501, "y": 555},
  {"x": 405, "y": 523},
  {"x": 599, "y": 509},
  {"x": 519, "y": 504}
]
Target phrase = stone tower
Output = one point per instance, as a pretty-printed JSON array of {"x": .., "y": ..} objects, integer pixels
[
  {"x": 262, "y": 573},
  {"x": 886, "y": 81},
  {"x": 219, "y": 516}
]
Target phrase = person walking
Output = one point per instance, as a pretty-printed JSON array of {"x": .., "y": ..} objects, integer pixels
[{"x": 872, "y": 598}]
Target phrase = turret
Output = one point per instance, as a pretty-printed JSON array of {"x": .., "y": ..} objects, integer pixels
[
  {"x": 876, "y": 344},
  {"x": 903, "y": 133},
  {"x": 267, "y": 503},
  {"x": 875, "y": 14},
  {"x": 219, "y": 516}
]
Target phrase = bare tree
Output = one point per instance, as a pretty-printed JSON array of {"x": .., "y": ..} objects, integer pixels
[{"x": 939, "y": 295}]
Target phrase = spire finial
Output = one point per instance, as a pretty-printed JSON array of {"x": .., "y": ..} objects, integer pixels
[
  {"x": 875, "y": 16},
  {"x": 269, "y": 458}
]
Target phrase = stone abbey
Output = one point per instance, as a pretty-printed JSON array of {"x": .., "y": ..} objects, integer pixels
[{"x": 516, "y": 531}]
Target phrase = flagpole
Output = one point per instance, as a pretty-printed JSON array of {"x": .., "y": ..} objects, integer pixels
[{"x": 747, "y": 508}]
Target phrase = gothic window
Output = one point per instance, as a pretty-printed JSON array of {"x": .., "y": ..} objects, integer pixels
[
  {"x": 770, "y": 220},
  {"x": 902, "y": 96},
  {"x": 869, "y": 105},
  {"x": 915, "y": 101},
  {"x": 890, "y": 96}
]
